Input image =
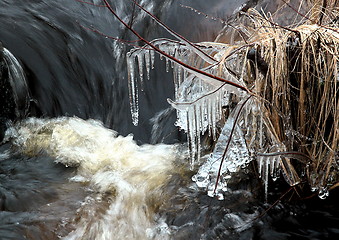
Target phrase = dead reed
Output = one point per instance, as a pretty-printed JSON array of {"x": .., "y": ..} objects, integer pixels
[
  {"x": 294, "y": 73},
  {"x": 292, "y": 122}
]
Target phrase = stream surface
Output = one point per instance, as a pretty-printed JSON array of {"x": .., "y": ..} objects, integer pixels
[{"x": 72, "y": 164}]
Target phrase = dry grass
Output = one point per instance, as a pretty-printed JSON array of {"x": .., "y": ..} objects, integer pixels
[
  {"x": 288, "y": 60},
  {"x": 294, "y": 73}
]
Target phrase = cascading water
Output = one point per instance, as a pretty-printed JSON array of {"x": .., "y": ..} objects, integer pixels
[
  {"x": 17, "y": 83},
  {"x": 63, "y": 177},
  {"x": 115, "y": 168},
  {"x": 15, "y": 97}
]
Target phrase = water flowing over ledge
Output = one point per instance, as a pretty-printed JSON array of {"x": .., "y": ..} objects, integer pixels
[{"x": 113, "y": 166}]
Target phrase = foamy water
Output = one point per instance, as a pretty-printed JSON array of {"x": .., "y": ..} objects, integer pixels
[{"x": 124, "y": 178}]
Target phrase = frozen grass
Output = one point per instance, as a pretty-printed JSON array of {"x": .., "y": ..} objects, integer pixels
[
  {"x": 294, "y": 74},
  {"x": 290, "y": 72}
]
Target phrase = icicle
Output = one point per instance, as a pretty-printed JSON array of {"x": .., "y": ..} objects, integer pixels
[
  {"x": 201, "y": 116},
  {"x": 140, "y": 57},
  {"x": 274, "y": 167},
  {"x": 209, "y": 116},
  {"x": 175, "y": 80},
  {"x": 198, "y": 116},
  {"x": 260, "y": 164},
  {"x": 198, "y": 148},
  {"x": 214, "y": 120},
  {"x": 220, "y": 98},
  {"x": 181, "y": 75},
  {"x": 264, "y": 171},
  {"x": 148, "y": 63},
  {"x": 213, "y": 81},
  {"x": 195, "y": 134},
  {"x": 266, "y": 178},
  {"x": 192, "y": 136},
  {"x": 133, "y": 89},
  {"x": 235, "y": 158},
  {"x": 199, "y": 98},
  {"x": 167, "y": 64},
  {"x": 174, "y": 54},
  {"x": 272, "y": 164},
  {"x": 261, "y": 130},
  {"x": 177, "y": 77},
  {"x": 152, "y": 58}
]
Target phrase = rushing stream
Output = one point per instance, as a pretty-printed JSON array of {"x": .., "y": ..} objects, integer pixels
[{"x": 72, "y": 164}]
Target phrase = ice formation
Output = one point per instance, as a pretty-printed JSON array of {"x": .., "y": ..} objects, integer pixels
[
  {"x": 230, "y": 153},
  {"x": 199, "y": 102},
  {"x": 198, "y": 98}
]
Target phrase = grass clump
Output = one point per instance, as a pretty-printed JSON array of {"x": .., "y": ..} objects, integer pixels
[{"x": 293, "y": 71}]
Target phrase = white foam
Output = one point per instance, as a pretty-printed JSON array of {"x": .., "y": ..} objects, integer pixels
[{"x": 111, "y": 164}]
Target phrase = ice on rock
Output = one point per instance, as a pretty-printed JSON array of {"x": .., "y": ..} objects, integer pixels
[
  {"x": 323, "y": 193},
  {"x": 199, "y": 100},
  {"x": 202, "y": 179},
  {"x": 229, "y": 155}
]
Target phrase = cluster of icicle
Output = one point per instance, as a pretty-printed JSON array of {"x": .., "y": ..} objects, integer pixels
[
  {"x": 245, "y": 133},
  {"x": 199, "y": 101}
]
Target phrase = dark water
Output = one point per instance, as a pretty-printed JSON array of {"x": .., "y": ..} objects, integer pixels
[{"x": 72, "y": 71}]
